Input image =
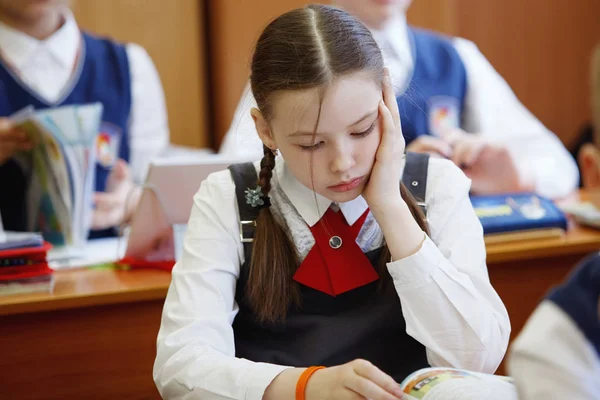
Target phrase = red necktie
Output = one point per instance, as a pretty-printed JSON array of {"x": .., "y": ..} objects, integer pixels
[{"x": 336, "y": 270}]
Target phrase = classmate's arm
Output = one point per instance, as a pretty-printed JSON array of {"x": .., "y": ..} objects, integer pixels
[
  {"x": 148, "y": 129},
  {"x": 242, "y": 140},
  {"x": 493, "y": 110},
  {"x": 195, "y": 347},
  {"x": 447, "y": 300}
]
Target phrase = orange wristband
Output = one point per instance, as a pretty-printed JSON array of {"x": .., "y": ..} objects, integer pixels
[{"x": 303, "y": 380}]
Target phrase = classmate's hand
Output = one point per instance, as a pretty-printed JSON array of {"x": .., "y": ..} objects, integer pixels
[
  {"x": 358, "y": 379},
  {"x": 383, "y": 187},
  {"x": 116, "y": 205},
  {"x": 11, "y": 140},
  {"x": 490, "y": 166},
  {"x": 430, "y": 144}
]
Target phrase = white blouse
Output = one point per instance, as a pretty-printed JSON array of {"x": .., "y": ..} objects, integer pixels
[{"x": 447, "y": 300}]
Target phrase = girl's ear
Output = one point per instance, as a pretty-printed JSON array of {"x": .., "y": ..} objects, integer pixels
[
  {"x": 263, "y": 129},
  {"x": 589, "y": 164}
]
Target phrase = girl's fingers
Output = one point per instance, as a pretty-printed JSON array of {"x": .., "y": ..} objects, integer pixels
[
  {"x": 376, "y": 383},
  {"x": 369, "y": 390},
  {"x": 388, "y": 131},
  {"x": 389, "y": 97}
]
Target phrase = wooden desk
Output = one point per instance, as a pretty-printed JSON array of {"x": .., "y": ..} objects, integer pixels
[
  {"x": 95, "y": 336},
  {"x": 578, "y": 240}
]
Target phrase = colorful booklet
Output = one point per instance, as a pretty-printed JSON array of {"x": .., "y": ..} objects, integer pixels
[
  {"x": 61, "y": 167},
  {"x": 457, "y": 384}
]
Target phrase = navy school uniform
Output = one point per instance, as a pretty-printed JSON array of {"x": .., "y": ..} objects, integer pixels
[{"x": 435, "y": 94}]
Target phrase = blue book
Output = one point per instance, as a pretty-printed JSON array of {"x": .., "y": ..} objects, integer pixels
[{"x": 517, "y": 212}]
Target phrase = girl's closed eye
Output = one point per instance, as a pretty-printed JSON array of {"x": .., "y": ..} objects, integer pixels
[
  {"x": 317, "y": 145},
  {"x": 311, "y": 147},
  {"x": 367, "y": 132}
]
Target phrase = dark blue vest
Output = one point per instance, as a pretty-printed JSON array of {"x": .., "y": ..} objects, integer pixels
[
  {"x": 579, "y": 295},
  {"x": 101, "y": 75},
  {"x": 435, "y": 93}
]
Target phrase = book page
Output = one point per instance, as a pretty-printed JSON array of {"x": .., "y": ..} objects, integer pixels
[
  {"x": 50, "y": 199},
  {"x": 76, "y": 127},
  {"x": 63, "y": 166},
  {"x": 455, "y": 384}
]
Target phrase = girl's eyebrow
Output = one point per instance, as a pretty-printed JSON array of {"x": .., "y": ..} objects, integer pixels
[{"x": 367, "y": 115}]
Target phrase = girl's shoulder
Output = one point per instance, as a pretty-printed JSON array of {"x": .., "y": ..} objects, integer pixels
[{"x": 219, "y": 187}]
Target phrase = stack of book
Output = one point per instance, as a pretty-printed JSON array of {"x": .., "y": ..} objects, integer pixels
[{"x": 23, "y": 263}]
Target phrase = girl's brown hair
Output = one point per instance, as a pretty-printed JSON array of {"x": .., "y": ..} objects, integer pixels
[{"x": 302, "y": 49}]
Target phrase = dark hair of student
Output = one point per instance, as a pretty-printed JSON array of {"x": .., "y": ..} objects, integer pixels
[{"x": 305, "y": 48}]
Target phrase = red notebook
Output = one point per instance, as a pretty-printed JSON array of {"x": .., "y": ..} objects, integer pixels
[
  {"x": 25, "y": 272},
  {"x": 27, "y": 252},
  {"x": 137, "y": 263},
  {"x": 23, "y": 263}
]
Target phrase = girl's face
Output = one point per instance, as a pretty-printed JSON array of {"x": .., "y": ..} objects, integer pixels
[{"x": 337, "y": 161}]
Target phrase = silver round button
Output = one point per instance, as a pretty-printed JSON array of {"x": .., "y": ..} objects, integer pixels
[
  {"x": 415, "y": 183},
  {"x": 335, "y": 242}
]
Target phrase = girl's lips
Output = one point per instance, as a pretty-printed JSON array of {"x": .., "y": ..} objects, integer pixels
[{"x": 346, "y": 186}]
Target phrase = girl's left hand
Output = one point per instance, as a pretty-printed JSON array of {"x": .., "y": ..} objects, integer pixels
[{"x": 383, "y": 188}]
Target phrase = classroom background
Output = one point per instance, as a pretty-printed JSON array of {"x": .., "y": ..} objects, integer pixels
[
  {"x": 202, "y": 50},
  {"x": 98, "y": 336}
]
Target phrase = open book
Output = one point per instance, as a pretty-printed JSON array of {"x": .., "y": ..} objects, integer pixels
[
  {"x": 457, "y": 384},
  {"x": 61, "y": 168}
]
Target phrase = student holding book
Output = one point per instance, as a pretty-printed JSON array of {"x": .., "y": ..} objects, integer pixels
[
  {"x": 46, "y": 61},
  {"x": 446, "y": 88},
  {"x": 317, "y": 256}
]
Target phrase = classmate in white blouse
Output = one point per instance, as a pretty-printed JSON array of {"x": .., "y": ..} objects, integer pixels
[
  {"x": 46, "y": 61},
  {"x": 445, "y": 88},
  {"x": 245, "y": 320}
]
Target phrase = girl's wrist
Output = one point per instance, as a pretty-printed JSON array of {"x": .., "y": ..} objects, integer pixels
[
  {"x": 388, "y": 207},
  {"x": 284, "y": 385},
  {"x": 403, "y": 235},
  {"x": 305, "y": 381}
]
